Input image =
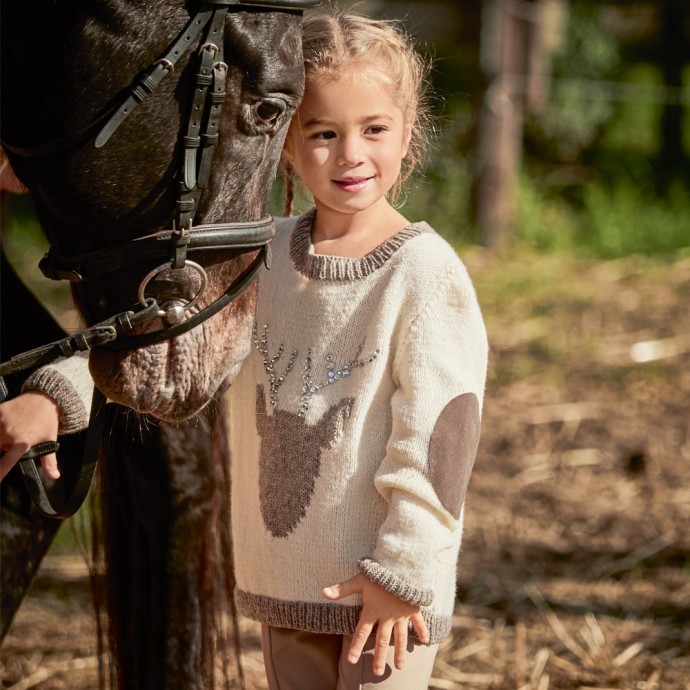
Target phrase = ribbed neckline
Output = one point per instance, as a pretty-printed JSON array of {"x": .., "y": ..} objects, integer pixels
[{"x": 322, "y": 267}]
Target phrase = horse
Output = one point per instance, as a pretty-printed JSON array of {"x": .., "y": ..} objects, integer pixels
[{"x": 115, "y": 117}]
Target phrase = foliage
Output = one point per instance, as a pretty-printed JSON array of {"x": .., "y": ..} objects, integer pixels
[
  {"x": 614, "y": 220},
  {"x": 590, "y": 179},
  {"x": 579, "y": 104}
]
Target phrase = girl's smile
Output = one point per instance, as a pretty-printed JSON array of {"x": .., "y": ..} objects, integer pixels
[{"x": 352, "y": 184}]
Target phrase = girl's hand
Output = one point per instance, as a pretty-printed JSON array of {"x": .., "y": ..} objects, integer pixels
[
  {"x": 382, "y": 609},
  {"x": 25, "y": 421}
]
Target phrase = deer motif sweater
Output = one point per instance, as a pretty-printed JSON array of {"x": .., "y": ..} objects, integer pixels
[{"x": 354, "y": 425}]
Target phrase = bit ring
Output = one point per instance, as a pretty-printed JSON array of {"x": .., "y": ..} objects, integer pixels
[{"x": 168, "y": 265}]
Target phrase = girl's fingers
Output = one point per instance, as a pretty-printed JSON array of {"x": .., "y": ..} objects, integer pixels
[
  {"x": 333, "y": 592},
  {"x": 420, "y": 627},
  {"x": 359, "y": 639},
  {"x": 383, "y": 642},
  {"x": 400, "y": 634},
  {"x": 344, "y": 589},
  {"x": 10, "y": 459}
]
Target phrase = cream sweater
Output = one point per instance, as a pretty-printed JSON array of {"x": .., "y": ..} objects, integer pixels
[{"x": 354, "y": 425}]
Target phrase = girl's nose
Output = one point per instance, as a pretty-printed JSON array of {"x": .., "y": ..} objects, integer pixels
[{"x": 349, "y": 151}]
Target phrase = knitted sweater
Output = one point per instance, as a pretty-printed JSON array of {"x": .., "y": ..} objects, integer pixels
[{"x": 354, "y": 425}]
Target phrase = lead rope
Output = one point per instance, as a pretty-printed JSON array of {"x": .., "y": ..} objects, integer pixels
[{"x": 85, "y": 474}]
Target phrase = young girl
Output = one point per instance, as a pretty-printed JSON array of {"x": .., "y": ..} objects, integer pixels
[{"x": 355, "y": 420}]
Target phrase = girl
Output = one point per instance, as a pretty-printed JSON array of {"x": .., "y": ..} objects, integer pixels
[{"x": 355, "y": 419}]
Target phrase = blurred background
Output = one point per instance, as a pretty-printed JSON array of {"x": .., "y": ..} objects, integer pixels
[
  {"x": 561, "y": 174},
  {"x": 565, "y": 124}
]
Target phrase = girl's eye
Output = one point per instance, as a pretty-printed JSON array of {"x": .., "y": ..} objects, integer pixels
[
  {"x": 376, "y": 129},
  {"x": 324, "y": 135}
]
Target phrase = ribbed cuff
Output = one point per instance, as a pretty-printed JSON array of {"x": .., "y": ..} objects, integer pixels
[
  {"x": 73, "y": 413},
  {"x": 394, "y": 584}
]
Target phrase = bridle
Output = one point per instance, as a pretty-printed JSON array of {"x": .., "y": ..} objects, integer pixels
[
  {"x": 172, "y": 246},
  {"x": 183, "y": 238}
]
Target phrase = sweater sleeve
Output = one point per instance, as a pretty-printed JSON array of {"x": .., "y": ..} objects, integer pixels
[
  {"x": 440, "y": 372},
  {"x": 69, "y": 383}
]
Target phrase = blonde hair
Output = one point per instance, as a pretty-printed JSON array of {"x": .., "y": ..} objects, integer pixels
[{"x": 332, "y": 43}]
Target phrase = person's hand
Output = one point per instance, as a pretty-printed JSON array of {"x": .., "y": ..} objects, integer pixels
[
  {"x": 383, "y": 609},
  {"x": 26, "y": 420}
]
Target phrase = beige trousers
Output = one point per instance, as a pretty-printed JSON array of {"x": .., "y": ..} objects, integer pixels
[{"x": 298, "y": 660}]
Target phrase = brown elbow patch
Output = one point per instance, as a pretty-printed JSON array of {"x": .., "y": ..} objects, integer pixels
[{"x": 452, "y": 450}]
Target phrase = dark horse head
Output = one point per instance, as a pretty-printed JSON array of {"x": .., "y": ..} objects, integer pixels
[{"x": 66, "y": 66}]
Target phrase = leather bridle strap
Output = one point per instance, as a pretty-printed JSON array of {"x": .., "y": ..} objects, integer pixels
[
  {"x": 109, "y": 333},
  {"x": 217, "y": 9},
  {"x": 110, "y": 120},
  {"x": 209, "y": 95},
  {"x": 148, "y": 82},
  {"x": 245, "y": 236},
  {"x": 84, "y": 340}
]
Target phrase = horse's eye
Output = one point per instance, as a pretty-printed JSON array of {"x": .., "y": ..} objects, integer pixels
[
  {"x": 266, "y": 114},
  {"x": 269, "y": 110}
]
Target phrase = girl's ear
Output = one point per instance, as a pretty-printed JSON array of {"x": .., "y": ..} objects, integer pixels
[{"x": 407, "y": 138}]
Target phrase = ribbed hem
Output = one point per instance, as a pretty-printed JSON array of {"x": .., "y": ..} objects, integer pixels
[
  {"x": 73, "y": 414},
  {"x": 327, "y": 618},
  {"x": 322, "y": 267},
  {"x": 336, "y": 619},
  {"x": 394, "y": 584}
]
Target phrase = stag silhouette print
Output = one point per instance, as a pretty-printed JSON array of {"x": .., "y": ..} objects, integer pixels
[{"x": 287, "y": 473}]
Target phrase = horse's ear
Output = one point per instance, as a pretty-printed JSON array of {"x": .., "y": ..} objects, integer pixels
[{"x": 260, "y": 400}]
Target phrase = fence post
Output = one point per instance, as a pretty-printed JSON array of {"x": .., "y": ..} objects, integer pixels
[{"x": 515, "y": 43}]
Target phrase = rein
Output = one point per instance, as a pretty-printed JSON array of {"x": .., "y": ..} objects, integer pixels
[{"x": 172, "y": 245}]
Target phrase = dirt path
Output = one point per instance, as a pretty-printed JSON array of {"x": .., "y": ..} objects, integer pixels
[{"x": 575, "y": 570}]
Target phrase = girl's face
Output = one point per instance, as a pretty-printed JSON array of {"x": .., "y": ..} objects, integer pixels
[{"x": 348, "y": 140}]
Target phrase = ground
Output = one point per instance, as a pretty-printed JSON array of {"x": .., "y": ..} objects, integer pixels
[{"x": 575, "y": 570}]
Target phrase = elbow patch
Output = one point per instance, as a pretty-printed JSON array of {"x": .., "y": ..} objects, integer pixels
[{"x": 452, "y": 450}]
